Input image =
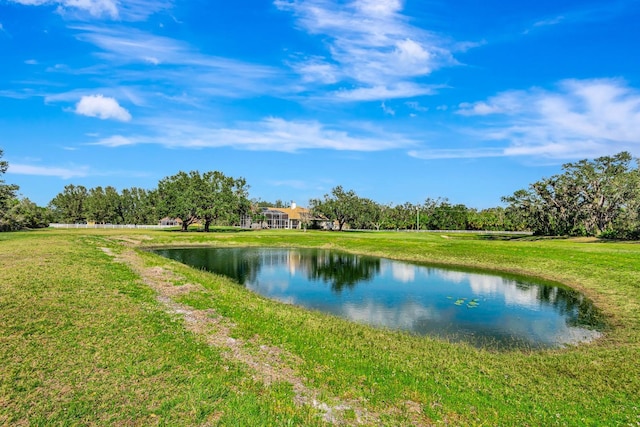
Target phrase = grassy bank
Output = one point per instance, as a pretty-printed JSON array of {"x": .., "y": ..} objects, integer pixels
[{"x": 94, "y": 330}]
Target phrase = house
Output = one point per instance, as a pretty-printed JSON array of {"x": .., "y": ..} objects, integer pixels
[
  {"x": 170, "y": 222},
  {"x": 291, "y": 218}
]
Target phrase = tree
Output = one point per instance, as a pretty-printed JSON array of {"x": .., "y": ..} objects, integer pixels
[
  {"x": 495, "y": 219},
  {"x": 376, "y": 214},
  {"x": 209, "y": 198},
  {"x": 178, "y": 197},
  {"x": 266, "y": 204},
  {"x": 224, "y": 199},
  {"x": 104, "y": 206},
  {"x": 138, "y": 206},
  {"x": 603, "y": 187},
  {"x": 7, "y": 191},
  {"x": 26, "y": 214},
  {"x": 340, "y": 206},
  {"x": 446, "y": 216},
  {"x": 69, "y": 206},
  {"x": 402, "y": 217},
  {"x": 589, "y": 198}
]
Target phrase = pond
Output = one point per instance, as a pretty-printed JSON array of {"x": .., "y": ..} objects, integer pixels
[{"x": 483, "y": 309}]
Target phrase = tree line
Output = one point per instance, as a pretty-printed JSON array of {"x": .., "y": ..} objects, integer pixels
[
  {"x": 346, "y": 209},
  {"x": 598, "y": 197},
  {"x": 210, "y": 198}
]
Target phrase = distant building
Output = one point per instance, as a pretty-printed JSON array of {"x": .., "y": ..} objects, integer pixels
[
  {"x": 291, "y": 218},
  {"x": 169, "y": 222}
]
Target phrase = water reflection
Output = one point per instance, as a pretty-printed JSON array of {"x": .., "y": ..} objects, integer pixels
[
  {"x": 341, "y": 270},
  {"x": 485, "y": 310}
]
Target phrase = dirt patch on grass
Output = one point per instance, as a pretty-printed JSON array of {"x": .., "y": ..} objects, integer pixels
[{"x": 269, "y": 364}]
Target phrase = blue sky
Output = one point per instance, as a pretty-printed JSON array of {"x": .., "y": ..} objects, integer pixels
[{"x": 397, "y": 100}]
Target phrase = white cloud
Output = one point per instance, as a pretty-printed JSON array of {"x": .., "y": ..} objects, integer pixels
[
  {"x": 387, "y": 110},
  {"x": 548, "y": 22},
  {"x": 176, "y": 65},
  {"x": 370, "y": 45},
  {"x": 96, "y": 8},
  {"x": 477, "y": 109},
  {"x": 4, "y": 31},
  {"x": 62, "y": 173},
  {"x": 118, "y": 141},
  {"x": 379, "y": 7},
  {"x": 270, "y": 134},
  {"x": 505, "y": 103},
  {"x": 459, "y": 153},
  {"x": 581, "y": 119},
  {"x": 31, "y": 2},
  {"x": 400, "y": 90},
  {"x": 414, "y": 105},
  {"x": 129, "y": 45},
  {"x": 315, "y": 70},
  {"x": 140, "y": 10},
  {"x": 409, "y": 51},
  {"x": 585, "y": 13},
  {"x": 129, "y": 10},
  {"x": 102, "y": 107}
]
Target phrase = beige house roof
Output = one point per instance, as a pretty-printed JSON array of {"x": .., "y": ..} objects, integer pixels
[{"x": 293, "y": 213}]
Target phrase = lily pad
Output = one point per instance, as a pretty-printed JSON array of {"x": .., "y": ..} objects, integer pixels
[{"x": 473, "y": 303}]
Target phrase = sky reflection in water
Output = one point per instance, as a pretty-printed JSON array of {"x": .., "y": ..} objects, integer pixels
[{"x": 482, "y": 309}]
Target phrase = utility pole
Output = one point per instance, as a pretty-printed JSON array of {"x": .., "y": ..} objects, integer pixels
[{"x": 417, "y": 219}]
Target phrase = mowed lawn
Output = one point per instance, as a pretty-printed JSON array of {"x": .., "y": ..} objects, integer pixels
[{"x": 94, "y": 330}]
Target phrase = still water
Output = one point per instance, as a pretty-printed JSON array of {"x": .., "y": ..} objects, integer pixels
[{"x": 485, "y": 310}]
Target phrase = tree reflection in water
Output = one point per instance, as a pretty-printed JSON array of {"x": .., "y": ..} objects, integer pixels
[{"x": 341, "y": 270}]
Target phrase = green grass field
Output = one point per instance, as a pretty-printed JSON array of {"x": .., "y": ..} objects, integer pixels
[{"x": 94, "y": 330}]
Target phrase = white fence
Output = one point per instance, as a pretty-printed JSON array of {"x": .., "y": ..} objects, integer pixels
[{"x": 138, "y": 226}]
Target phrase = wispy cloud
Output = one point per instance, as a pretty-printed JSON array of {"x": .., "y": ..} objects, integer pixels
[
  {"x": 548, "y": 22},
  {"x": 387, "y": 110},
  {"x": 585, "y": 14},
  {"x": 511, "y": 102},
  {"x": 139, "y": 10},
  {"x": 389, "y": 91},
  {"x": 136, "y": 56},
  {"x": 457, "y": 153},
  {"x": 370, "y": 44},
  {"x": 270, "y": 134},
  {"x": 130, "y": 10},
  {"x": 155, "y": 72},
  {"x": 63, "y": 173},
  {"x": 102, "y": 107},
  {"x": 582, "y": 118},
  {"x": 414, "y": 105},
  {"x": 23, "y": 93}
]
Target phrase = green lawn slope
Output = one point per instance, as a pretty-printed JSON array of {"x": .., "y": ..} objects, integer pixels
[{"x": 94, "y": 330}]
